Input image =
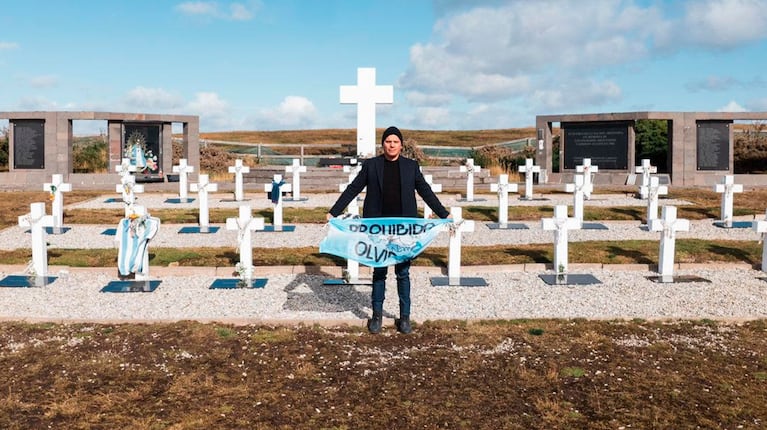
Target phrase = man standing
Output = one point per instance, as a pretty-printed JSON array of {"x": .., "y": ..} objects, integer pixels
[{"x": 392, "y": 181}]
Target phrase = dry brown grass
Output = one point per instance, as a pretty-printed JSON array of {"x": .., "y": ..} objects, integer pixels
[{"x": 449, "y": 374}]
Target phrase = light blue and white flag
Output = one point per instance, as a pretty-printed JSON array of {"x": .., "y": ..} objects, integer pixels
[{"x": 380, "y": 242}]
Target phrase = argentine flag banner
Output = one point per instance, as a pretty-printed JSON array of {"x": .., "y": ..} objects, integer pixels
[{"x": 380, "y": 242}]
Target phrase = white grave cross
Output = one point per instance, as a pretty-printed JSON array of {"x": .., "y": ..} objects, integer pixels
[
  {"x": 244, "y": 224},
  {"x": 202, "y": 189},
  {"x": 668, "y": 226},
  {"x": 238, "y": 169},
  {"x": 125, "y": 168},
  {"x": 646, "y": 169},
  {"x": 470, "y": 169},
  {"x": 37, "y": 220},
  {"x": 588, "y": 170},
  {"x": 55, "y": 188},
  {"x": 560, "y": 224},
  {"x": 728, "y": 187},
  {"x": 761, "y": 227},
  {"x": 366, "y": 94},
  {"x": 296, "y": 169},
  {"x": 277, "y": 200},
  {"x": 436, "y": 188},
  {"x": 578, "y": 190},
  {"x": 528, "y": 169},
  {"x": 128, "y": 188},
  {"x": 183, "y": 169},
  {"x": 458, "y": 226},
  {"x": 503, "y": 187},
  {"x": 652, "y": 191}
]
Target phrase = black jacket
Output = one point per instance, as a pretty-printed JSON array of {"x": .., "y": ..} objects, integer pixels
[{"x": 371, "y": 176}]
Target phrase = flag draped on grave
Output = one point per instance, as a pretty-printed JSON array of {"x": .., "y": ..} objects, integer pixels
[
  {"x": 380, "y": 242},
  {"x": 133, "y": 235}
]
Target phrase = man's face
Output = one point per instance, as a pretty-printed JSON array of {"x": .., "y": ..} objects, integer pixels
[{"x": 392, "y": 147}]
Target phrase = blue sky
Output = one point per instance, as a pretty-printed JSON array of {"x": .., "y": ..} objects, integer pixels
[{"x": 453, "y": 64}]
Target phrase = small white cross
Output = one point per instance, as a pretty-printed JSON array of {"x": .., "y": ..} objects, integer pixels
[
  {"x": 202, "y": 189},
  {"x": 578, "y": 188},
  {"x": 646, "y": 169},
  {"x": 238, "y": 169},
  {"x": 470, "y": 169},
  {"x": 435, "y": 188},
  {"x": 728, "y": 187},
  {"x": 55, "y": 189},
  {"x": 296, "y": 169},
  {"x": 458, "y": 226},
  {"x": 760, "y": 226},
  {"x": 503, "y": 187},
  {"x": 244, "y": 225},
  {"x": 183, "y": 169},
  {"x": 668, "y": 226},
  {"x": 366, "y": 94},
  {"x": 588, "y": 171},
  {"x": 652, "y": 191},
  {"x": 560, "y": 224},
  {"x": 528, "y": 169},
  {"x": 37, "y": 220},
  {"x": 129, "y": 188},
  {"x": 283, "y": 187}
]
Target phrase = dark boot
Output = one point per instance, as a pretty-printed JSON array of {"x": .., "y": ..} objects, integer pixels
[
  {"x": 375, "y": 323},
  {"x": 403, "y": 325}
]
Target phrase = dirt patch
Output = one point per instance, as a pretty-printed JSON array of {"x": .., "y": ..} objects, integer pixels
[{"x": 499, "y": 374}]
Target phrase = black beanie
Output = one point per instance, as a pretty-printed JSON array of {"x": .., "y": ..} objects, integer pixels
[{"x": 392, "y": 130}]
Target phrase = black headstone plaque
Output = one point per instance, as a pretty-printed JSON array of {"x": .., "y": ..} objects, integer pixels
[
  {"x": 28, "y": 143},
  {"x": 713, "y": 145},
  {"x": 605, "y": 143}
]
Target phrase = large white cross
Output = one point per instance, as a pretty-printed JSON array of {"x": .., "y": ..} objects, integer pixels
[
  {"x": 283, "y": 187},
  {"x": 588, "y": 170},
  {"x": 646, "y": 169},
  {"x": 296, "y": 169},
  {"x": 37, "y": 220},
  {"x": 470, "y": 169},
  {"x": 728, "y": 187},
  {"x": 202, "y": 188},
  {"x": 761, "y": 227},
  {"x": 128, "y": 188},
  {"x": 560, "y": 224},
  {"x": 578, "y": 188},
  {"x": 668, "y": 226},
  {"x": 238, "y": 169},
  {"x": 183, "y": 170},
  {"x": 528, "y": 169},
  {"x": 503, "y": 188},
  {"x": 244, "y": 224},
  {"x": 366, "y": 94},
  {"x": 55, "y": 189},
  {"x": 435, "y": 188},
  {"x": 458, "y": 226},
  {"x": 652, "y": 191}
]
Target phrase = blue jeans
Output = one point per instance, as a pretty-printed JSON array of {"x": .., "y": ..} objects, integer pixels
[{"x": 402, "y": 272}]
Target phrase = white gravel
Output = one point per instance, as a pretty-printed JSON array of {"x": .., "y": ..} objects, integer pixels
[{"x": 734, "y": 291}]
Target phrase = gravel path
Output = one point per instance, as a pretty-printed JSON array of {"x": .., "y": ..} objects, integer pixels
[{"x": 734, "y": 291}]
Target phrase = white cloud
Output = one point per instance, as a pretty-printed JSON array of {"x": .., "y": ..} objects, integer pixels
[
  {"x": 724, "y": 23},
  {"x": 235, "y": 11},
  {"x": 292, "y": 112},
  {"x": 152, "y": 98},
  {"x": 7, "y": 46},
  {"x": 45, "y": 81},
  {"x": 518, "y": 50},
  {"x": 214, "y": 112},
  {"x": 36, "y": 103},
  {"x": 732, "y": 106}
]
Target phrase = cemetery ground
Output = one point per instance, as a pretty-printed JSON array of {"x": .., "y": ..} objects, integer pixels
[{"x": 447, "y": 374}]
